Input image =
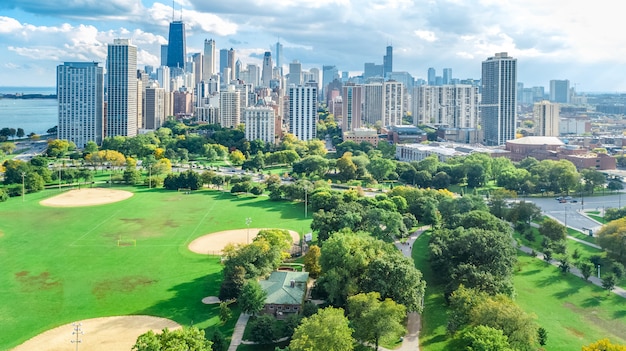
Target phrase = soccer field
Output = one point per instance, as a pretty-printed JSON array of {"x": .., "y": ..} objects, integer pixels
[{"x": 60, "y": 265}]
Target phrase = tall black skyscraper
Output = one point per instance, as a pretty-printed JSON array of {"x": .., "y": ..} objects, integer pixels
[
  {"x": 176, "y": 48},
  {"x": 388, "y": 61}
]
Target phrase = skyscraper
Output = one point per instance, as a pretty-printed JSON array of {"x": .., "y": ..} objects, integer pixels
[
  {"x": 223, "y": 59},
  {"x": 329, "y": 74},
  {"x": 559, "y": 91},
  {"x": 260, "y": 123},
  {"x": 208, "y": 66},
  {"x": 393, "y": 103},
  {"x": 121, "y": 89},
  {"x": 352, "y": 102},
  {"x": 499, "y": 99},
  {"x": 388, "y": 61},
  {"x": 303, "y": 112},
  {"x": 372, "y": 103},
  {"x": 176, "y": 48},
  {"x": 267, "y": 69},
  {"x": 279, "y": 57},
  {"x": 230, "y": 107},
  {"x": 432, "y": 76},
  {"x": 447, "y": 76},
  {"x": 80, "y": 93},
  {"x": 231, "y": 63}
]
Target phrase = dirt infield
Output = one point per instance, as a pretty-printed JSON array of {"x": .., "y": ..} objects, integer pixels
[
  {"x": 100, "y": 334},
  {"x": 214, "y": 243},
  {"x": 86, "y": 197}
]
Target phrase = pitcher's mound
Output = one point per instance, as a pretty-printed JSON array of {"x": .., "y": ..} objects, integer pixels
[
  {"x": 86, "y": 197},
  {"x": 100, "y": 334},
  {"x": 214, "y": 243}
]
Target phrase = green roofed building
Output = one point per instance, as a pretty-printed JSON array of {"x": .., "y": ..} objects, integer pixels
[{"x": 286, "y": 292}]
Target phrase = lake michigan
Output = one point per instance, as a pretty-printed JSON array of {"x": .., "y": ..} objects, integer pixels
[{"x": 32, "y": 115}]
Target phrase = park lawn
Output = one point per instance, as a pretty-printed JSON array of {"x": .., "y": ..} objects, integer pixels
[
  {"x": 574, "y": 313},
  {"x": 598, "y": 218},
  {"x": 60, "y": 265},
  {"x": 582, "y": 236}
]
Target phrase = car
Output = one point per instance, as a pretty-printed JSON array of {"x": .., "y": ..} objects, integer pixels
[
  {"x": 574, "y": 201},
  {"x": 568, "y": 198},
  {"x": 559, "y": 198},
  {"x": 562, "y": 201}
]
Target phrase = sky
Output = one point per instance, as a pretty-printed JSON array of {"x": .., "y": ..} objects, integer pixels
[{"x": 578, "y": 40}]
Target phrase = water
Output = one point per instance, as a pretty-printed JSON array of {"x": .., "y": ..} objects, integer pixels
[{"x": 32, "y": 115}]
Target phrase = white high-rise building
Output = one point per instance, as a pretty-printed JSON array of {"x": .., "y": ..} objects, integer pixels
[
  {"x": 546, "y": 118},
  {"x": 499, "y": 99},
  {"x": 230, "y": 107},
  {"x": 372, "y": 103},
  {"x": 163, "y": 77},
  {"x": 121, "y": 89},
  {"x": 80, "y": 93},
  {"x": 260, "y": 123},
  {"x": 393, "y": 103},
  {"x": 208, "y": 64},
  {"x": 454, "y": 106},
  {"x": 303, "y": 112}
]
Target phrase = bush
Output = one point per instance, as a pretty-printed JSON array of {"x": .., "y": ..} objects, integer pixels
[
  {"x": 4, "y": 195},
  {"x": 263, "y": 329}
]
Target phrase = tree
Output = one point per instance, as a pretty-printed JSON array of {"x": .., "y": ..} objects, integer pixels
[
  {"x": 20, "y": 133},
  {"x": 542, "y": 336},
  {"x": 234, "y": 280},
  {"x": 347, "y": 168},
  {"x": 252, "y": 297},
  {"x": 374, "y": 318},
  {"x": 604, "y": 345},
  {"x": 237, "y": 157},
  {"x": 263, "y": 329},
  {"x": 328, "y": 329},
  {"x": 615, "y": 185},
  {"x": 380, "y": 168},
  {"x": 219, "y": 341},
  {"x": 225, "y": 312},
  {"x": 612, "y": 237},
  {"x": 181, "y": 339},
  {"x": 312, "y": 261},
  {"x": 483, "y": 338},
  {"x": 608, "y": 283},
  {"x": 441, "y": 180},
  {"x": 593, "y": 179},
  {"x": 586, "y": 269},
  {"x": 552, "y": 230},
  {"x": 476, "y": 175}
]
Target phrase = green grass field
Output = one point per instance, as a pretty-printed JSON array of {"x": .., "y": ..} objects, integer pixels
[
  {"x": 60, "y": 265},
  {"x": 574, "y": 313}
]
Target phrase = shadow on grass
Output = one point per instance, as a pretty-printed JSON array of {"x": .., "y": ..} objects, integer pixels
[
  {"x": 437, "y": 339},
  {"x": 530, "y": 272},
  {"x": 592, "y": 301},
  {"x": 567, "y": 292},
  {"x": 549, "y": 280},
  {"x": 619, "y": 314},
  {"x": 185, "y": 306}
]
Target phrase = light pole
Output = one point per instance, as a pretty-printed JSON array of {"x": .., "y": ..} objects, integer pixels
[
  {"x": 150, "y": 177},
  {"x": 305, "y": 201},
  {"x": 23, "y": 192},
  {"x": 248, "y": 221},
  {"x": 59, "y": 178},
  {"x": 598, "y": 271},
  {"x": 77, "y": 331}
]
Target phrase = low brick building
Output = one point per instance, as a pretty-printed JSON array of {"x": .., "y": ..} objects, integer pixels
[{"x": 286, "y": 292}]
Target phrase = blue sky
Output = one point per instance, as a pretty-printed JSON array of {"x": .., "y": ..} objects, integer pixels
[{"x": 577, "y": 40}]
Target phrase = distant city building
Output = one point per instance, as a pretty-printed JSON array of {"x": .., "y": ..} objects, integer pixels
[
  {"x": 388, "y": 61},
  {"x": 546, "y": 118},
  {"x": 163, "y": 54},
  {"x": 443, "y": 151},
  {"x": 303, "y": 112},
  {"x": 352, "y": 102},
  {"x": 260, "y": 123},
  {"x": 122, "y": 102},
  {"x": 371, "y": 69},
  {"x": 447, "y": 76},
  {"x": 223, "y": 60},
  {"x": 208, "y": 64},
  {"x": 373, "y": 104},
  {"x": 183, "y": 104},
  {"x": 329, "y": 74},
  {"x": 267, "y": 70},
  {"x": 359, "y": 135},
  {"x": 155, "y": 108},
  {"x": 231, "y": 63},
  {"x": 80, "y": 94},
  {"x": 402, "y": 134},
  {"x": 560, "y": 91},
  {"x": 393, "y": 103},
  {"x": 499, "y": 99},
  {"x": 279, "y": 57},
  {"x": 295, "y": 73},
  {"x": 230, "y": 107},
  {"x": 432, "y": 76},
  {"x": 163, "y": 77},
  {"x": 176, "y": 47}
]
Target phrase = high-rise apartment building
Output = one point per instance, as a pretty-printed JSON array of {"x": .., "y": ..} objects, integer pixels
[
  {"x": 559, "y": 91},
  {"x": 373, "y": 103},
  {"x": 267, "y": 70},
  {"x": 122, "y": 104},
  {"x": 295, "y": 73},
  {"x": 499, "y": 99},
  {"x": 546, "y": 118},
  {"x": 393, "y": 103},
  {"x": 303, "y": 112},
  {"x": 388, "y": 61},
  {"x": 450, "y": 106},
  {"x": 155, "y": 108},
  {"x": 208, "y": 64},
  {"x": 80, "y": 94},
  {"x": 197, "y": 61},
  {"x": 230, "y": 107},
  {"x": 352, "y": 102},
  {"x": 176, "y": 47},
  {"x": 260, "y": 123}
]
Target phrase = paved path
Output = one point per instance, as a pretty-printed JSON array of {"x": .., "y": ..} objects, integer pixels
[
  {"x": 575, "y": 271},
  {"x": 240, "y": 326},
  {"x": 535, "y": 225}
]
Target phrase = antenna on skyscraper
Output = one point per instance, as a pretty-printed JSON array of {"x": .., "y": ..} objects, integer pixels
[{"x": 173, "y": 16}]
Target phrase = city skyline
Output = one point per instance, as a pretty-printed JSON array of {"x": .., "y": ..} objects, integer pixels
[{"x": 551, "y": 40}]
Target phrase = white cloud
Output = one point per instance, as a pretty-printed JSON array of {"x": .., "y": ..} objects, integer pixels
[
  {"x": 426, "y": 35},
  {"x": 8, "y": 25}
]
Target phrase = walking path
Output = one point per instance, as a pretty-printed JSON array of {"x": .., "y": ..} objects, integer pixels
[
  {"x": 573, "y": 270},
  {"x": 240, "y": 326}
]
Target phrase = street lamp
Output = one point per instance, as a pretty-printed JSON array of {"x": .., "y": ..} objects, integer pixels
[
  {"x": 23, "y": 192},
  {"x": 78, "y": 332},
  {"x": 248, "y": 221},
  {"x": 305, "y": 201},
  {"x": 598, "y": 271}
]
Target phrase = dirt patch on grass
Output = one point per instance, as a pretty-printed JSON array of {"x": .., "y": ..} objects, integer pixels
[
  {"x": 86, "y": 197},
  {"x": 31, "y": 283},
  {"x": 100, "y": 334},
  {"x": 213, "y": 244},
  {"x": 125, "y": 285}
]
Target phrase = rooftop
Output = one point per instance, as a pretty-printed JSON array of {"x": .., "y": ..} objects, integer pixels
[
  {"x": 279, "y": 287},
  {"x": 537, "y": 140}
]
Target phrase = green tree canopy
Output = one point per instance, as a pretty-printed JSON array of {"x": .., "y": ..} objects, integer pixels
[
  {"x": 181, "y": 339},
  {"x": 374, "y": 318},
  {"x": 328, "y": 330}
]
